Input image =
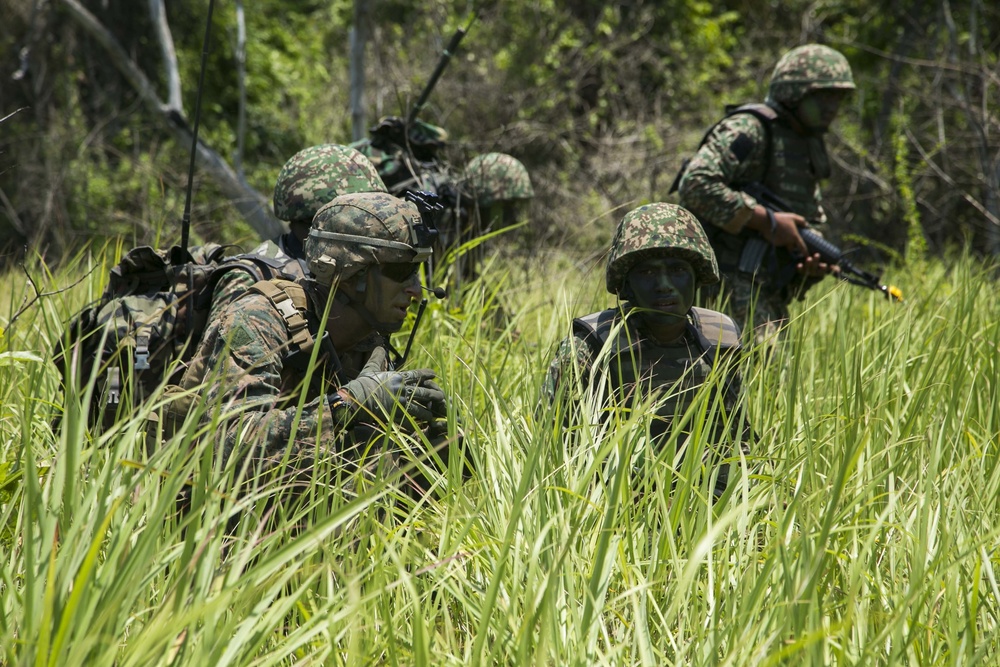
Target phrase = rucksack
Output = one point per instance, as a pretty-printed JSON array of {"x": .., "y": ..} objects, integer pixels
[
  {"x": 762, "y": 112},
  {"x": 146, "y": 324}
]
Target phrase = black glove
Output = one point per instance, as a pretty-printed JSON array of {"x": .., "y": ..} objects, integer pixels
[{"x": 394, "y": 394}]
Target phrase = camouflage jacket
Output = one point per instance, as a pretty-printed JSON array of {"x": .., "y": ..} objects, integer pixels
[
  {"x": 245, "y": 363},
  {"x": 278, "y": 254},
  {"x": 741, "y": 150}
]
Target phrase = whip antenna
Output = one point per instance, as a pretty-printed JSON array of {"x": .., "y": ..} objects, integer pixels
[{"x": 186, "y": 219}]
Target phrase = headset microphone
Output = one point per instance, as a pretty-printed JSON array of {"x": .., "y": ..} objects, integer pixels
[{"x": 439, "y": 292}]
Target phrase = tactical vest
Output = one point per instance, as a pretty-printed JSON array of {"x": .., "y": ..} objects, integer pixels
[
  {"x": 289, "y": 299},
  {"x": 795, "y": 164},
  {"x": 636, "y": 365}
]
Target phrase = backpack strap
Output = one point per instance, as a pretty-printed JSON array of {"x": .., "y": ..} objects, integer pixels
[
  {"x": 714, "y": 331},
  {"x": 289, "y": 299},
  {"x": 595, "y": 329}
]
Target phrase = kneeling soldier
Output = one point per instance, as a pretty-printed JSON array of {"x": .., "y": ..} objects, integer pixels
[
  {"x": 256, "y": 358},
  {"x": 654, "y": 341}
]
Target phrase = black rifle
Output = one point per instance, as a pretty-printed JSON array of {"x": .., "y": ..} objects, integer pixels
[
  {"x": 827, "y": 251},
  {"x": 446, "y": 55}
]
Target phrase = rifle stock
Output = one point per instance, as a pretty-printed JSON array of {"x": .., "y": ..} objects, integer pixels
[{"x": 828, "y": 252}]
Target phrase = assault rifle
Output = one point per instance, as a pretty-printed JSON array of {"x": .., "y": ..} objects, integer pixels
[{"x": 828, "y": 252}]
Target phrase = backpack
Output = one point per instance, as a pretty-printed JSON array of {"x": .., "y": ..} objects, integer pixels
[
  {"x": 765, "y": 114},
  {"x": 146, "y": 324}
]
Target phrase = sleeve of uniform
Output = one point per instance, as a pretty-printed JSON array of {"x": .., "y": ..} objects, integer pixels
[
  {"x": 231, "y": 285},
  {"x": 246, "y": 345},
  {"x": 733, "y": 153},
  {"x": 570, "y": 367}
]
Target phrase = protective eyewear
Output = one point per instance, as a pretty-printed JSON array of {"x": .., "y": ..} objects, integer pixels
[{"x": 399, "y": 272}]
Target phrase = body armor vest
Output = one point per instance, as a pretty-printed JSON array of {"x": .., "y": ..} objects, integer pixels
[
  {"x": 637, "y": 366},
  {"x": 795, "y": 165}
]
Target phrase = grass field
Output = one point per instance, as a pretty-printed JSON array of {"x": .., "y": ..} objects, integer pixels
[{"x": 861, "y": 530}]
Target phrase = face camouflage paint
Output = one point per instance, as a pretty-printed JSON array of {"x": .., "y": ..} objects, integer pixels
[{"x": 662, "y": 287}]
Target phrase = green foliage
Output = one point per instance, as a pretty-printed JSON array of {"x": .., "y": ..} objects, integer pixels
[
  {"x": 858, "y": 531},
  {"x": 917, "y": 244}
]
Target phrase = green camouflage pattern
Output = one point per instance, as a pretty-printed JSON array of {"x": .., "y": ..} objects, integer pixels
[
  {"x": 494, "y": 177},
  {"x": 659, "y": 230},
  {"x": 316, "y": 175},
  {"x": 708, "y": 186},
  {"x": 241, "y": 366},
  {"x": 234, "y": 283},
  {"x": 807, "y": 68},
  {"x": 373, "y": 215}
]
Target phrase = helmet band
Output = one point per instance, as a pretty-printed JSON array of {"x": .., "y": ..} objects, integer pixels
[{"x": 363, "y": 240}]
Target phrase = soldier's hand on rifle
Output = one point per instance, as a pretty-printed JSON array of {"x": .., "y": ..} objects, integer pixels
[
  {"x": 814, "y": 266},
  {"x": 782, "y": 232},
  {"x": 394, "y": 394}
]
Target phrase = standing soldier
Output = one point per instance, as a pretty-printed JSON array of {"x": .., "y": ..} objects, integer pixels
[
  {"x": 778, "y": 146},
  {"x": 258, "y": 357},
  {"x": 654, "y": 341}
]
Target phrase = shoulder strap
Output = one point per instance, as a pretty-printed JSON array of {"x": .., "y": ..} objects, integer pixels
[
  {"x": 289, "y": 299},
  {"x": 762, "y": 112},
  {"x": 765, "y": 114},
  {"x": 595, "y": 328},
  {"x": 715, "y": 331}
]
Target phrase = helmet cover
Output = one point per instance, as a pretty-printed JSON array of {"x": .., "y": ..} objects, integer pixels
[
  {"x": 660, "y": 230},
  {"x": 808, "y": 68},
  {"x": 497, "y": 177},
  {"x": 357, "y": 230},
  {"x": 316, "y": 175}
]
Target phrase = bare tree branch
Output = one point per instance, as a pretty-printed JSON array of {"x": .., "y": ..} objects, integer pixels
[
  {"x": 241, "y": 78},
  {"x": 158, "y": 13},
  {"x": 253, "y": 206}
]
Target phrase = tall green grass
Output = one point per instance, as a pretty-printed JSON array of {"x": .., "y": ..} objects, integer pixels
[{"x": 860, "y": 528}]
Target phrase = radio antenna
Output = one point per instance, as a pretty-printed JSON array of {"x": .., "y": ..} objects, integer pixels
[{"x": 186, "y": 219}]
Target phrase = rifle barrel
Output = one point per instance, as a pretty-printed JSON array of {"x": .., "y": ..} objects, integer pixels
[{"x": 449, "y": 50}]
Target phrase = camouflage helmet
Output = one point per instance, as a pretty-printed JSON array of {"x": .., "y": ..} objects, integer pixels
[
  {"x": 357, "y": 230},
  {"x": 315, "y": 175},
  {"x": 497, "y": 177},
  {"x": 660, "y": 230},
  {"x": 808, "y": 68}
]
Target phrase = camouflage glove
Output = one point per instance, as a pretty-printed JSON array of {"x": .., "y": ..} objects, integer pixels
[{"x": 392, "y": 394}]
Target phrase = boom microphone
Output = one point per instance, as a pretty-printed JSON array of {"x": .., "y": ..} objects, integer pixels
[{"x": 439, "y": 292}]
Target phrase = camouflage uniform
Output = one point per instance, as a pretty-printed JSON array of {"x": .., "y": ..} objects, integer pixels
[
  {"x": 613, "y": 347},
  {"x": 308, "y": 180},
  {"x": 785, "y": 157},
  {"x": 254, "y": 356}
]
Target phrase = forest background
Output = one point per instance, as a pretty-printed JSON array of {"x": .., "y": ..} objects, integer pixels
[
  {"x": 860, "y": 530},
  {"x": 601, "y": 101}
]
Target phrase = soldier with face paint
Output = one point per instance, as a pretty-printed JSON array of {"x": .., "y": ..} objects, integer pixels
[
  {"x": 295, "y": 361},
  {"x": 655, "y": 342},
  {"x": 780, "y": 145}
]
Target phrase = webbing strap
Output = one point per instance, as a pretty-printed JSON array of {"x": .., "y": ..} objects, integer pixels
[{"x": 289, "y": 299}]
